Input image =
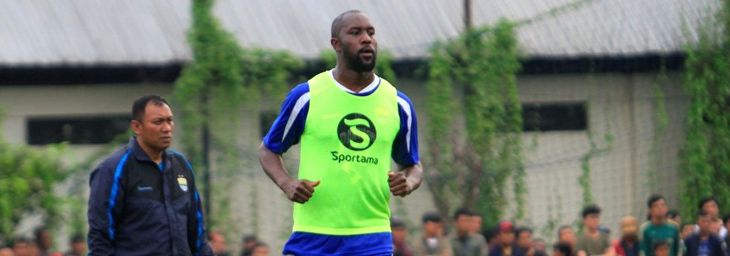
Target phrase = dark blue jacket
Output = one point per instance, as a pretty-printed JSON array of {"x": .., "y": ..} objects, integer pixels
[
  {"x": 692, "y": 243},
  {"x": 139, "y": 208}
]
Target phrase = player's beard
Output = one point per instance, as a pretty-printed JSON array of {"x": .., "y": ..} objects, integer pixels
[{"x": 358, "y": 64}]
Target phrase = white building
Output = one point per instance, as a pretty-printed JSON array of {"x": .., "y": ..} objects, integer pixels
[{"x": 71, "y": 68}]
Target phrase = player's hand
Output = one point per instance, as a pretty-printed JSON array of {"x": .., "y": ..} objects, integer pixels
[
  {"x": 299, "y": 191},
  {"x": 399, "y": 184}
]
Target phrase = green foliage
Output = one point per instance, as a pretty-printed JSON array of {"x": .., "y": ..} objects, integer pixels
[
  {"x": 706, "y": 152},
  {"x": 481, "y": 67},
  {"x": 585, "y": 165},
  {"x": 383, "y": 63},
  {"x": 211, "y": 94},
  {"x": 27, "y": 181}
]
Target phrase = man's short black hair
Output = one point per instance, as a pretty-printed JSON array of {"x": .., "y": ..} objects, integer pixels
[
  {"x": 702, "y": 213},
  {"x": 21, "y": 240},
  {"x": 659, "y": 243},
  {"x": 521, "y": 230},
  {"x": 397, "y": 223},
  {"x": 78, "y": 238},
  {"x": 431, "y": 217},
  {"x": 337, "y": 22},
  {"x": 673, "y": 213},
  {"x": 141, "y": 103},
  {"x": 564, "y": 227},
  {"x": 707, "y": 200},
  {"x": 590, "y": 209},
  {"x": 250, "y": 238},
  {"x": 462, "y": 211},
  {"x": 563, "y": 248},
  {"x": 653, "y": 199}
]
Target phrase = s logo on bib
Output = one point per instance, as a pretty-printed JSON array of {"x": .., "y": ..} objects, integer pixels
[{"x": 356, "y": 131}]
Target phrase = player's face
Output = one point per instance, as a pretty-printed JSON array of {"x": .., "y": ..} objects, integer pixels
[
  {"x": 357, "y": 42},
  {"x": 659, "y": 208},
  {"x": 155, "y": 130}
]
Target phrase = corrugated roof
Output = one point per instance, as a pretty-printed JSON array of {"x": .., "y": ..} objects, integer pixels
[{"x": 98, "y": 32}]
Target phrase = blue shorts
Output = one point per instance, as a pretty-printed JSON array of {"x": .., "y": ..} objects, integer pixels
[{"x": 375, "y": 244}]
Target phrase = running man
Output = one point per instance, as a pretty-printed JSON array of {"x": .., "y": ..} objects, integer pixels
[{"x": 350, "y": 123}]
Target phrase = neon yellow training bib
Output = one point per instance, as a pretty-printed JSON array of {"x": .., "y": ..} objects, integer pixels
[{"x": 346, "y": 145}]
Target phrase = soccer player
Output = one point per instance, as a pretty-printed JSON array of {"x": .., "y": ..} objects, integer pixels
[{"x": 350, "y": 123}]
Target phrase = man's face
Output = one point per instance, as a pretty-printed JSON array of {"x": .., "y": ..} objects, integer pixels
[
  {"x": 155, "y": 129},
  {"x": 356, "y": 42},
  {"x": 463, "y": 223},
  {"x": 687, "y": 231},
  {"x": 629, "y": 227},
  {"x": 567, "y": 236},
  {"x": 523, "y": 239},
  {"x": 662, "y": 250},
  {"x": 711, "y": 208},
  {"x": 78, "y": 247},
  {"x": 432, "y": 229},
  {"x": 217, "y": 243},
  {"x": 260, "y": 251},
  {"x": 658, "y": 209},
  {"x": 22, "y": 249},
  {"x": 592, "y": 221},
  {"x": 399, "y": 234},
  {"x": 507, "y": 237}
]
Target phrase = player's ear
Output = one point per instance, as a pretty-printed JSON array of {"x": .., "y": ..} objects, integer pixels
[
  {"x": 136, "y": 126},
  {"x": 336, "y": 45}
]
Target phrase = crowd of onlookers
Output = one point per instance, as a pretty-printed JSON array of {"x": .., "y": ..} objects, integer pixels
[
  {"x": 41, "y": 244},
  {"x": 662, "y": 234}
]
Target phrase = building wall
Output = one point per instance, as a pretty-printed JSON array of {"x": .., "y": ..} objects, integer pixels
[{"x": 621, "y": 105}]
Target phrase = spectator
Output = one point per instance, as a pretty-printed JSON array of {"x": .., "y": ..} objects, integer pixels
[
  {"x": 705, "y": 242},
  {"x": 464, "y": 242},
  {"x": 432, "y": 241},
  {"x": 248, "y": 244},
  {"x": 563, "y": 249},
  {"x": 687, "y": 230},
  {"x": 726, "y": 219},
  {"x": 659, "y": 229},
  {"x": 6, "y": 251},
  {"x": 673, "y": 216},
  {"x": 592, "y": 241},
  {"x": 23, "y": 247},
  {"x": 217, "y": 243},
  {"x": 712, "y": 207},
  {"x": 260, "y": 249},
  {"x": 661, "y": 248},
  {"x": 538, "y": 245},
  {"x": 77, "y": 246},
  {"x": 43, "y": 240},
  {"x": 524, "y": 240},
  {"x": 400, "y": 238},
  {"x": 566, "y": 235},
  {"x": 491, "y": 235},
  {"x": 628, "y": 244},
  {"x": 506, "y": 242}
]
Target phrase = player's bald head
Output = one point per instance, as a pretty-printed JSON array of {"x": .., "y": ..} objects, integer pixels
[{"x": 339, "y": 21}]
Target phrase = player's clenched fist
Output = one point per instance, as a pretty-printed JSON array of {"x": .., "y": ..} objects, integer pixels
[
  {"x": 299, "y": 191},
  {"x": 399, "y": 184}
]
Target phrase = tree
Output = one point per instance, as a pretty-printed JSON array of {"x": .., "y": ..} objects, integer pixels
[
  {"x": 706, "y": 152},
  {"x": 210, "y": 95},
  {"x": 27, "y": 181},
  {"x": 475, "y": 76}
]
